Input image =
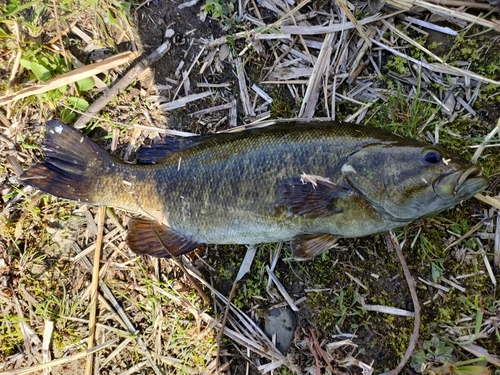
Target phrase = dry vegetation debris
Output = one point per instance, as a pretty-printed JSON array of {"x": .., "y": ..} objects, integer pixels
[{"x": 341, "y": 60}]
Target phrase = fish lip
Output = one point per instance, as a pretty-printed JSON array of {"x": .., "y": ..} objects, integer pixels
[
  {"x": 468, "y": 180},
  {"x": 474, "y": 172}
]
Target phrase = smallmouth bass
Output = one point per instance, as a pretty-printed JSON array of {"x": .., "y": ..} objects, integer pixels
[{"x": 307, "y": 183}]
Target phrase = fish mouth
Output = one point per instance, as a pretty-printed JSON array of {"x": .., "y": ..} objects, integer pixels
[
  {"x": 461, "y": 184},
  {"x": 471, "y": 175}
]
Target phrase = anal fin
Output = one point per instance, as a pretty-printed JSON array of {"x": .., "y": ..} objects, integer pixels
[
  {"x": 307, "y": 246},
  {"x": 149, "y": 237}
]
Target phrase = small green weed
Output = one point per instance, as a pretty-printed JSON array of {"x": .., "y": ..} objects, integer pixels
[
  {"x": 429, "y": 255},
  {"x": 220, "y": 9},
  {"x": 406, "y": 113},
  {"x": 433, "y": 351}
]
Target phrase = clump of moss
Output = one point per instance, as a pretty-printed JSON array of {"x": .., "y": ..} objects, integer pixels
[
  {"x": 283, "y": 105},
  {"x": 253, "y": 285}
]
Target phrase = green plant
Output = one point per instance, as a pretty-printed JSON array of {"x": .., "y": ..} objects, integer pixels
[
  {"x": 347, "y": 308},
  {"x": 433, "y": 351},
  {"x": 405, "y": 112},
  {"x": 429, "y": 253},
  {"x": 220, "y": 9}
]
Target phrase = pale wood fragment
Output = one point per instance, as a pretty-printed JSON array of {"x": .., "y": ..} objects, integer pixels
[
  {"x": 431, "y": 26},
  {"x": 315, "y": 30},
  {"x": 341, "y": 4},
  {"x": 245, "y": 100},
  {"x": 95, "y": 287},
  {"x": 212, "y": 109},
  {"x": 313, "y": 88},
  {"x": 449, "y": 12},
  {"x": 262, "y": 93},
  {"x": 181, "y": 102},
  {"x": 286, "y": 74},
  {"x": 70, "y": 77},
  {"x": 282, "y": 289},
  {"x": 479, "y": 351}
]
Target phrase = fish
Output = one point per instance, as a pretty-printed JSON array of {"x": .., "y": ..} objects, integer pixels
[{"x": 309, "y": 183}]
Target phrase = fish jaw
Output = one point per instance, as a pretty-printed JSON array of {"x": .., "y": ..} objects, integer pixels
[{"x": 461, "y": 185}]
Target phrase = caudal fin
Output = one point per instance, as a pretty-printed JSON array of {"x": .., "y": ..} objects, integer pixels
[{"x": 72, "y": 164}]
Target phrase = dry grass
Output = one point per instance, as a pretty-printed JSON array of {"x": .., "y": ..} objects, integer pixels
[{"x": 122, "y": 314}]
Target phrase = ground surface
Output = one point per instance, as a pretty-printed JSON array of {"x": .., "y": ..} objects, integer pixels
[{"x": 157, "y": 316}]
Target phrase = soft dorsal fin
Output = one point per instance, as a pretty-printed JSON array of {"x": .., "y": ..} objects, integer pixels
[
  {"x": 311, "y": 198},
  {"x": 158, "y": 150},
  {"x": 149, "y": 237},
  {"x": 307, "y": 246}
]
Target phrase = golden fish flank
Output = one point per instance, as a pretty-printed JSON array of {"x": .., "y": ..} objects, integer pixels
[{"x": 307, "y": 183}]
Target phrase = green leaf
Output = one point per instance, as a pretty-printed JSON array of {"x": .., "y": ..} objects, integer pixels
[
  {"x": 41, "y": 72},
  {"x": 67, "y": 115},
  {"x": 436, "y": 269},
  {"x": 111, "y": 19},
  {"x": 14, "y": 7},
  {"x": 472, "y": 370},
  {"x": 78, "y": 103},
  {"x": 85, "y": 84},
  {"x": 125, "y": 5}
]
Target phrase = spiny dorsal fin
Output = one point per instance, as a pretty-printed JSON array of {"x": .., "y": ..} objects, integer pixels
[
  {"x": 308, "y": 199},
  {"x": 148, "y": 237},
  {"x": 307, "y": 246},
  {"x": 158, "y": 150}
]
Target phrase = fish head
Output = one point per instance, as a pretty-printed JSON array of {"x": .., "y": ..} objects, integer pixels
[{"x": 407, "y": 181}]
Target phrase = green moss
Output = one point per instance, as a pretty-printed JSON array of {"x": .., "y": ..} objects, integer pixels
[
  {"x": 252, "y": 287},
  {"x": 10, "y": 335},
  {"x": 397, "y": 63},
  {"x": 283, "y": 105},
  {"x": 429, "y": 259}
]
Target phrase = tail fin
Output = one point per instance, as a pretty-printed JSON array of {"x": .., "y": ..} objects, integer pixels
[{"x": 72, "y": 164}]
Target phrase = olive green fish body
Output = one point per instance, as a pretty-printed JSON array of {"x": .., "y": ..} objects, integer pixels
[
  {"x": 302, "y": 182},
  {"x": 229, "y": 189}
]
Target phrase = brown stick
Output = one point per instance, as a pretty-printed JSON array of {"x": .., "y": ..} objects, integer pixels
[
  {"x": 95, "y": 286},
  {"x": 413, "y": 292},
  {"x": 122, "y": 84},
  {"x": 320, "y": 350},
  {"x": 59, "y": 34},
  {"x": 312, "y": 348},
  {"x": 223, "y": 324}
]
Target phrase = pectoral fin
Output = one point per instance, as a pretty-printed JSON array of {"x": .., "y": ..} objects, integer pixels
[
  {"x": 307, "y": 246},
  {"x": 149, "y": 237},
  {"x": 311, "y": 199}
]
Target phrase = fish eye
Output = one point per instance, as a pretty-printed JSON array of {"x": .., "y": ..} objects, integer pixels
[{"x": 432, "y": 156}]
